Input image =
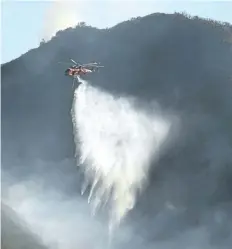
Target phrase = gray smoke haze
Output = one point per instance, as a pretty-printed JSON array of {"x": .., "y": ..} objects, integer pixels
[
  {"x": 59, "y": 222},
  {"x": 185, "y": 67}
]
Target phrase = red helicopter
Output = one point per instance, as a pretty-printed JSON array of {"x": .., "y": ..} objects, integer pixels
[{"x": 78, "y": 69}]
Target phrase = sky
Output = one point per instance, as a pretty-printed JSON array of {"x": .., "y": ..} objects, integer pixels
[{"x": 25, "y": 23}]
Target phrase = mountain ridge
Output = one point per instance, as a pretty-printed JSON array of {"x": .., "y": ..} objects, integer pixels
[{"x": 183, "y": 64}]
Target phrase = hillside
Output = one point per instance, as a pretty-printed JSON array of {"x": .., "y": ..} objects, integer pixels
[
  {"x": 182, "y": 63},
  {"x": 14, "y": 233},
  {"x": 173, "y": 56}
]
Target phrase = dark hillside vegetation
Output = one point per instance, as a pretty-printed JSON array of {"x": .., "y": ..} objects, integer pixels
[{"x": 169, "y": 58}]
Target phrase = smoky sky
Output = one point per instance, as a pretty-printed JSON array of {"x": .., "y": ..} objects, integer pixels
[{"x": 180, "y": 63}]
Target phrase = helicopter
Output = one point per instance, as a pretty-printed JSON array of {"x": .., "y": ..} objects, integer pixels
[{"x": 78, "y": 69}]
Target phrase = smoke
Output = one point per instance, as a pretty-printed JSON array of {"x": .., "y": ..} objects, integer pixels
[
  {"x": 67, "y": 14},
  {"x": 117, "y": 144},
  {"x": 60, "y": 222},
  {"x": 61, "y": 15}
]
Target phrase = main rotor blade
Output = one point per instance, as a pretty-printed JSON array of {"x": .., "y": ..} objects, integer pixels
[
  {"x": 92, "y": 65},
  {"x": 74, "y": 61}
]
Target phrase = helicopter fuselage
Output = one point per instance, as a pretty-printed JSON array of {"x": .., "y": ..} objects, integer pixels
[{"x": 77, "y": 71}]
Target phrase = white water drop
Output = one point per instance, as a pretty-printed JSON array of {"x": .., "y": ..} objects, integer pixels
[{"x": 116, "y": 144}]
